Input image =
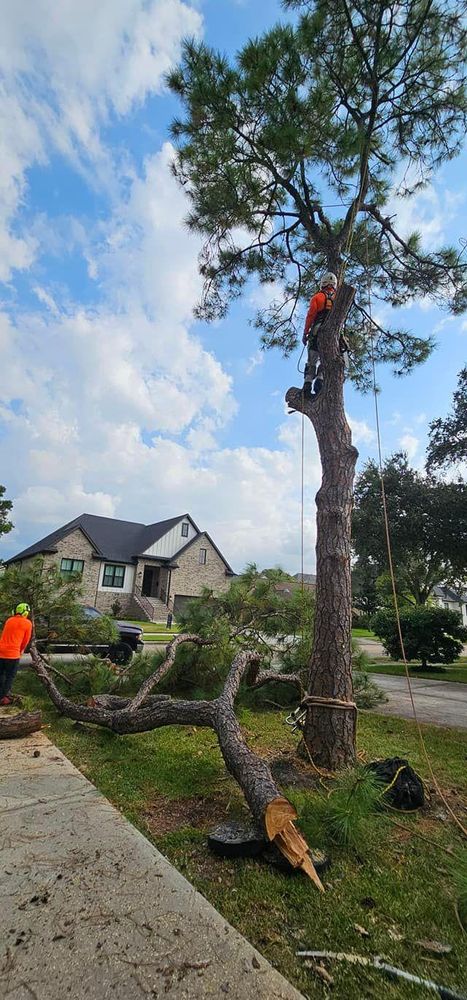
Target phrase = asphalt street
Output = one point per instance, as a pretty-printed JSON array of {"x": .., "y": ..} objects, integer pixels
[{"x": 443, "y": 703}]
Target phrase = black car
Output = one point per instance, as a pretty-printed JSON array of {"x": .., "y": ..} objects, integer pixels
[{"x": 130, "y": 640}]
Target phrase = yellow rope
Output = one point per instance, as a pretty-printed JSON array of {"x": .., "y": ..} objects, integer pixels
[{"x": 392, "y": 574}]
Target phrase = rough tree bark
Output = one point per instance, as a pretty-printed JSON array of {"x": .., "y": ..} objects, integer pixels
[
  {"x": 271, "y": 811},
  {"x": 329, "y": 731},
  {"x": 21, "y": 724}
]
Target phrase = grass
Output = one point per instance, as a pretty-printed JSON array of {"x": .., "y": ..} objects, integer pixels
[
  {"x": 395, "y": 885},
  {"x": 455, "y": 672},
  {"x": 155, "y": 626},
  {"x": 363, "y": 633}
]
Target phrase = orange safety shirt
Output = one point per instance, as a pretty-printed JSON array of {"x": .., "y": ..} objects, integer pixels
[
  {"x": 317, "y": 304},
  {"x": 15, "y": 636}
]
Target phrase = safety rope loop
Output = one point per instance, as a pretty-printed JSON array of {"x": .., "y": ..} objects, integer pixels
[{"x": 338, "y": 703}]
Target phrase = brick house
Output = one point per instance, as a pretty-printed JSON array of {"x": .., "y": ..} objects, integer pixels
[{"x": 150, "y": 569}]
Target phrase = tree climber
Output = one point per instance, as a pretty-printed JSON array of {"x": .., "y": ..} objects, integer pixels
[{"x": 319, "y": 308}]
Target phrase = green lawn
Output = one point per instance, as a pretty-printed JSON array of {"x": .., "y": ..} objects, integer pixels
[
  {"x": 155, "y": 626},
  {"x": 363, "y": 633},
  {"x": 172, "y": 784},
  {"x": 454, "y": 672}
]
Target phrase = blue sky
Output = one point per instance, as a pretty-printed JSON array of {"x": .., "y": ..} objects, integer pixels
[{"x": 113, "y": 400}]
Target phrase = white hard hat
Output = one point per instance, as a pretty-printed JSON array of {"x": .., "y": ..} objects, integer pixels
[{"x": 328, "y": 279}]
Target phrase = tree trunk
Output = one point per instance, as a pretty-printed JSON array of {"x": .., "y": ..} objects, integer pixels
[
  {"x": 330, "y": 726},
  {"x": 22, "y": 724}
]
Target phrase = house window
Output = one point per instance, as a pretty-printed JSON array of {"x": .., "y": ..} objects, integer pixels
[
  {"x": 71, "y": 567},
  {"x": 113, "y": 575},
  {"x": 185, "y": 529},
  {"x": 202, "y": 556}
]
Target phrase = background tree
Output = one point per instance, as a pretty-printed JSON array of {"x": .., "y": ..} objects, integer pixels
[
  {"x": 431, "y": 635},
  {"x": 427, "y": 521},
  {"x": 448, "y": 438},
  {"x": 365, "y": 596},
  {"x": 289, "y": 156},
  {"x": 54, "y": 601},
  {"x": 5, "y": 508}
]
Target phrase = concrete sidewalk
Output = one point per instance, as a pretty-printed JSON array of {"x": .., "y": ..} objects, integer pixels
[{"x": 90, "y": 909}]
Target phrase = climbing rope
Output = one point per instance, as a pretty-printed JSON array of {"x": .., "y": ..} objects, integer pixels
[{"x": 391, "y": 567}]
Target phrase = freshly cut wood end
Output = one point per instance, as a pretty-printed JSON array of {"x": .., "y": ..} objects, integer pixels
[
  {"x": 278, "y": 814},
  {"x": 295, "y": 848}
]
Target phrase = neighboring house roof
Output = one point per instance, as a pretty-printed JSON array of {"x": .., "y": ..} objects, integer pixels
[
  {"x": 120, "y": 541},
  {"x": 308, "y": 578},
  {"x": 448, "y": 594}
]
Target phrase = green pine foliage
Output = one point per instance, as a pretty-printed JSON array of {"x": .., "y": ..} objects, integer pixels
[
  {"x": 344, "y": 815},
  {"x": 55, "y": 604},
  {"x": 291, "y": 152}
]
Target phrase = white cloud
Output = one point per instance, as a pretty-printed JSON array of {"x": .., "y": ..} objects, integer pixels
[
  {"x": 254, "y": 361},
  {"x": 428, "y": 212},
  {"x": 410, "y": 444},
  {"x": 67, "y": 68},
  {"x": 361, "y": 431}
]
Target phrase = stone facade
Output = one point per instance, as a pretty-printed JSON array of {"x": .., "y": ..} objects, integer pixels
[
  {"x": 191, "y": 576},
  {"x": 76, "y": 546}
]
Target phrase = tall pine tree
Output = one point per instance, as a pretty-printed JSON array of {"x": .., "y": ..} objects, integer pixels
[{"x": 289, "y": 155}]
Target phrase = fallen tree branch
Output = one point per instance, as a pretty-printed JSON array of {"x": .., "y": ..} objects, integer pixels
[
  {"x": 22, "y": 724},
  {"x": 390, "y": 971},
  {"x": 271, "y": 811}
]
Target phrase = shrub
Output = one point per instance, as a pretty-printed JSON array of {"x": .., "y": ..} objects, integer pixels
[{"x": 430, "y": 634}]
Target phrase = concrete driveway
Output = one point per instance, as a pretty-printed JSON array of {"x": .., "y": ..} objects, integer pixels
[{"x": 443, "y": 703}]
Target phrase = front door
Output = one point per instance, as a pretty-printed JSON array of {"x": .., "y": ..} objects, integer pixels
[{"x": 150, "y": 585}]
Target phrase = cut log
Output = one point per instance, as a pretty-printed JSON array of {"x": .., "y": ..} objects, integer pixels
[
  {"x": 278, "y": 813},
  {"x": 22, "y": 724}
]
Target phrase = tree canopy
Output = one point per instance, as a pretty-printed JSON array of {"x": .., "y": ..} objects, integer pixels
[
  {"x": 5, "y": 508},
  {"x": 291, "y": 155},
  {"x": 427, "y": 522},
  {"x": 448, "y": 437},
  {"x": 265, "y": 610}
]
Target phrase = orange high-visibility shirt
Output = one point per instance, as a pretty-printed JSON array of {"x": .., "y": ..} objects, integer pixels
[
  {"x": 15, "y": 636},
  {"x": 317, "y": 304}
]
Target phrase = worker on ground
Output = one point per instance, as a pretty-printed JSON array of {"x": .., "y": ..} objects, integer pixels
[
  {"x": 16, "y": 634},
  {"x": 319, "y": 308}
]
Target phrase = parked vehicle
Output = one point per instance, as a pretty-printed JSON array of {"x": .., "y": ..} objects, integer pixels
[{"x": 130, "y": 640}]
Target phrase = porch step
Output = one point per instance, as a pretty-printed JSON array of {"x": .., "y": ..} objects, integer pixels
[{"x": 151, "y": 609}]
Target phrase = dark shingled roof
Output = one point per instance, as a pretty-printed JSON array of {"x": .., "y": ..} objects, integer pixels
[{"x": 112, "y": 539}]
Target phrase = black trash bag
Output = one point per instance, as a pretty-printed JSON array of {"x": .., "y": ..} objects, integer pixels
[{"x": 403, "y": 787}]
